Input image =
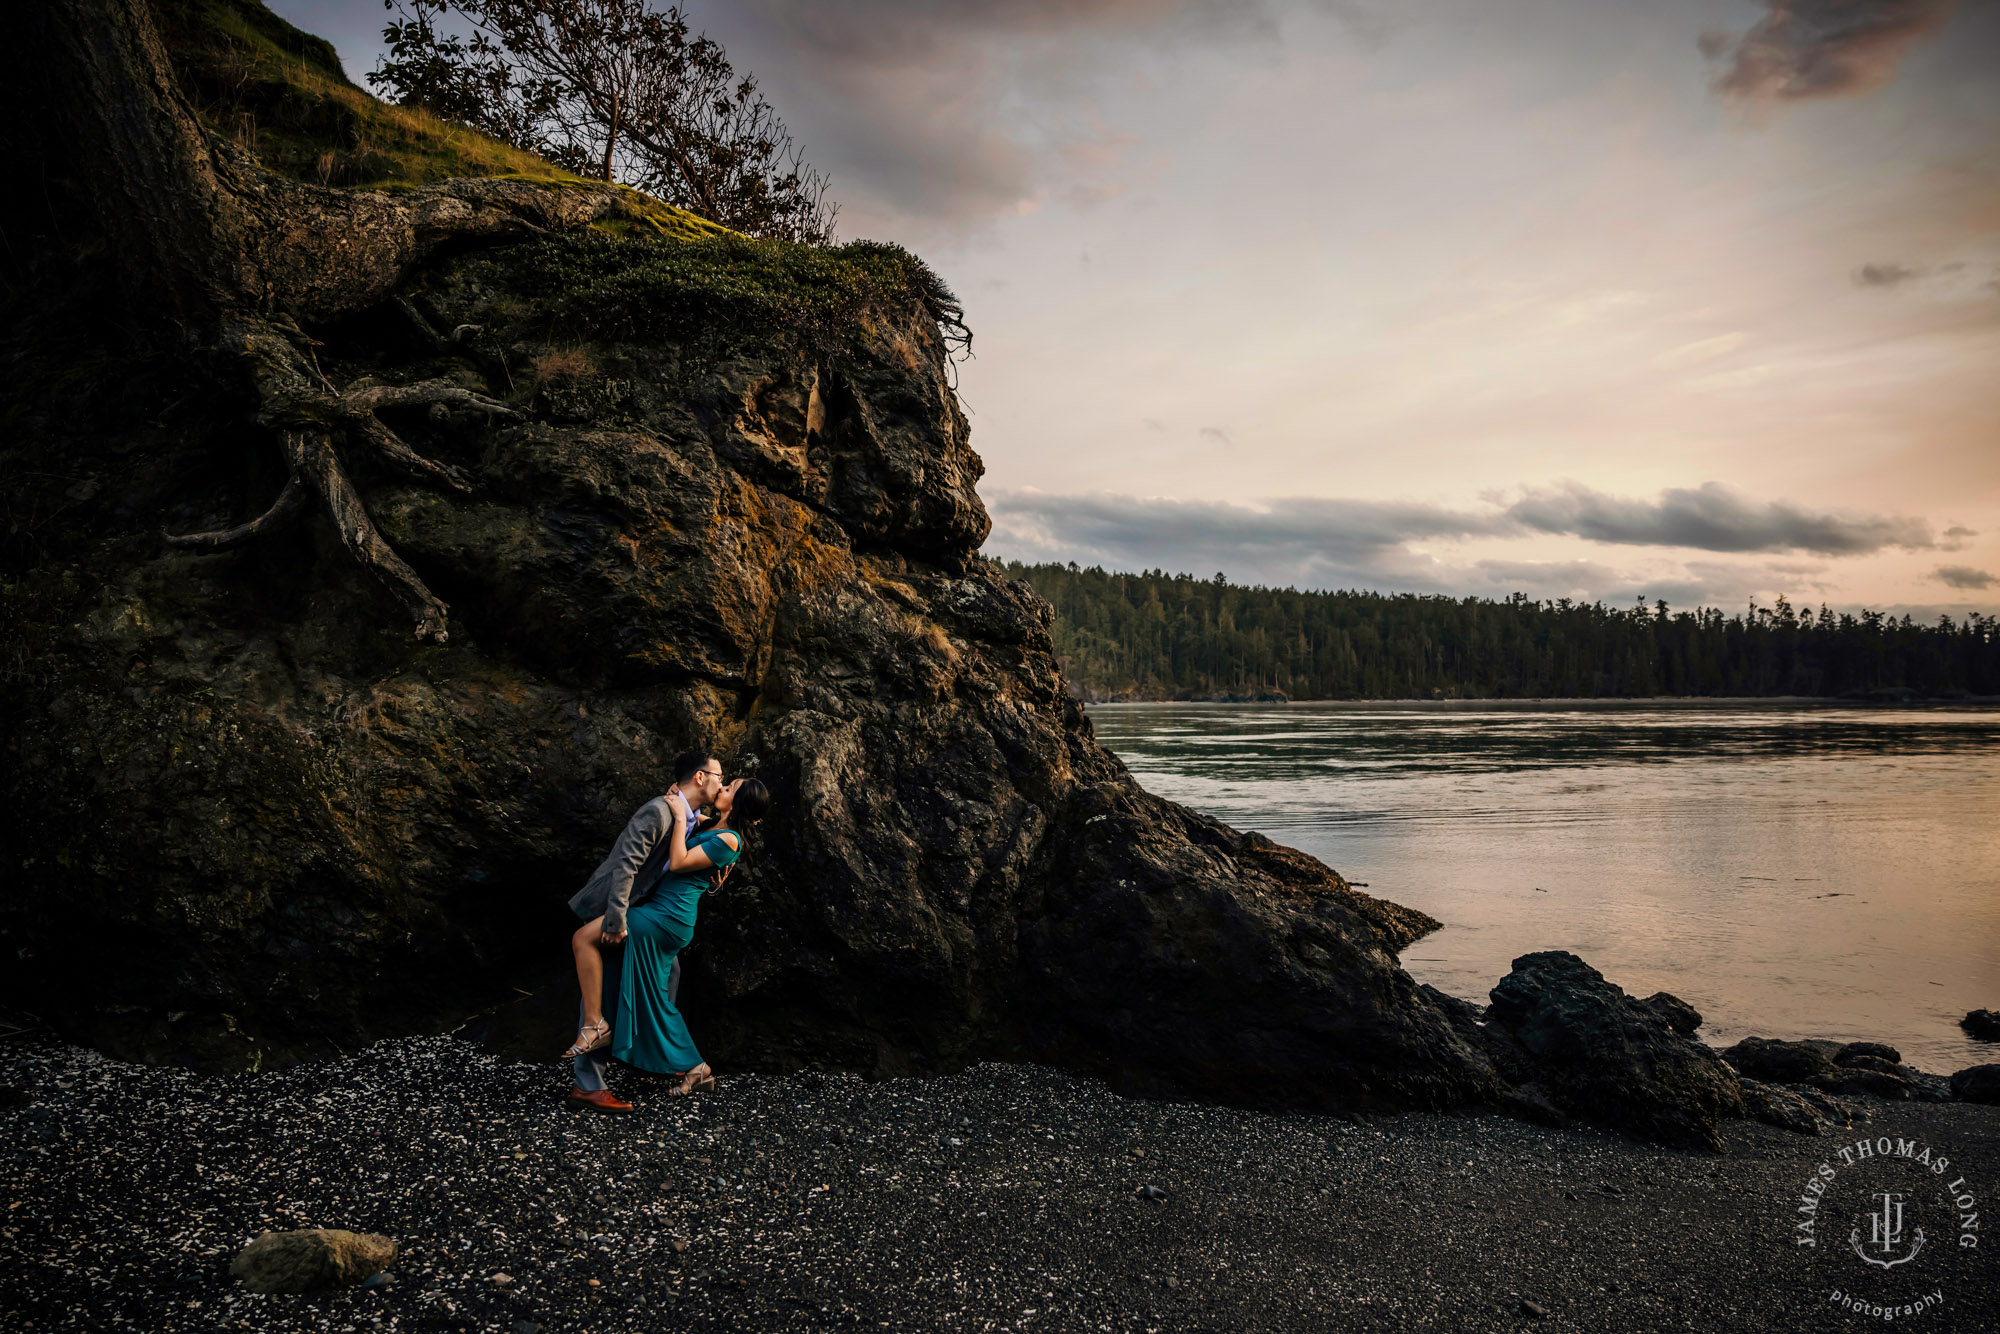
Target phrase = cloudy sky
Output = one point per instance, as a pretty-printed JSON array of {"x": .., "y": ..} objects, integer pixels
[{"x": 1599, "y": 298}]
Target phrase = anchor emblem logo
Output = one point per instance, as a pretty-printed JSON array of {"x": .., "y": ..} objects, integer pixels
[{"x": 1885, "y": 1233}]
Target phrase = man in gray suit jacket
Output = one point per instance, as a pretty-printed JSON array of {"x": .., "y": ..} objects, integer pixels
[{"x": 637, "y": 855}]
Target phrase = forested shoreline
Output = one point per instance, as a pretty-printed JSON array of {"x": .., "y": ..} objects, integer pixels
[{"x": 1172, "y": 636}]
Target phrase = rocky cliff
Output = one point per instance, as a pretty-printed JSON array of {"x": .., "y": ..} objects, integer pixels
[
  {"x": 366, "y": 553},
  {"x": 728, "y": 499}
]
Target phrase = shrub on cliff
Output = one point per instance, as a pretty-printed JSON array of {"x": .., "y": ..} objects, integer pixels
[{"x": 620, "y": 90}]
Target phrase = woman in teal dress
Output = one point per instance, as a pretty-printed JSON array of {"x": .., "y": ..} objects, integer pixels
[{"x": 648, "y": 1030}]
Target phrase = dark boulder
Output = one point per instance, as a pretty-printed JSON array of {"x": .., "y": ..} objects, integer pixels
[
  {"x": 1777, "y": 1105},
  {"x": 1610, "y": 1058},
  {"x": 1926, "y": 1087},
  {"x": 1978, "y": 1083},
  {"x": 1146, "y": 967},
  {"x": 1982, "y": 1024},
  {"x": 1853, "y": 1079},
  {"x": 1800, "y": 1108},
  {"x": 1779, "y": 1062},
  {"x": 1860, "y": 1053},
  {"x": 1851, "y": 1068},
  {"x": 1680, "y": 1016},
  {"x": 1865, "y": 1061},
  {"x": 1530, "y": 1102}
]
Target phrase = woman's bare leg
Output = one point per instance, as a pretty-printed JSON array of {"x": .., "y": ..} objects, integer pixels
[{"x": 590, "y": 968}]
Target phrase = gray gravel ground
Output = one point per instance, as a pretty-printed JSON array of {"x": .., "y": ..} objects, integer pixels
[{"x": 1002, "y": 1198}]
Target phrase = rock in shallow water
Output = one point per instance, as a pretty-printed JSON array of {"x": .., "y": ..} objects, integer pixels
[
  {"x": 1982, "y": 1024},
  {"x": 312, "y": 1260}
]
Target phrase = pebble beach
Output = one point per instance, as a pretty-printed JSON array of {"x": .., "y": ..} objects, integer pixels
[{"x": 1005, "y": 1197}]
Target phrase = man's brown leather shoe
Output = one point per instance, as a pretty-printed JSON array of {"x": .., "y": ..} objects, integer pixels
[{"x": 601, "y": 1100}]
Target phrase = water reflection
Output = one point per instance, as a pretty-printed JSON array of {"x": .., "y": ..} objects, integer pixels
[{"x": 1792, "y": 870}]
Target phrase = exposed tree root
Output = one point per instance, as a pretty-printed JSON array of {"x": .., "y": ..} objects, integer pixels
[
  {"x": 430, "y": 337},
  {"x": 311, "y": 456},
  {"x": 214, "y": 250},
  {"x": 371, "y": 398},
  {"x": 359, "y": 405},
  {"x": 291, "y": 500},
  {"x": 302, "y": 403}
]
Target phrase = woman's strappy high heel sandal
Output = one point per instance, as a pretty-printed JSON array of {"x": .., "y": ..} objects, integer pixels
[
  {"x": 691, "y": 1083},
  {"x": 588, "y": 1039}
]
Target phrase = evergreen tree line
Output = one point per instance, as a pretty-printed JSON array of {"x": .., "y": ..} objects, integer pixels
[{"x": 1173, "y": 636}]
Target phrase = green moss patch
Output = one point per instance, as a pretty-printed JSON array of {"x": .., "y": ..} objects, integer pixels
[{"x": 680, "y": 289}]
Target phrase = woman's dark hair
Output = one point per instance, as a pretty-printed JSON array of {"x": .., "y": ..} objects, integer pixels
[{"x": 750, "y": 803}]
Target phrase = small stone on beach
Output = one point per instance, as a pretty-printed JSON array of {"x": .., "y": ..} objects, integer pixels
[{"x": 309, "y": 1260}]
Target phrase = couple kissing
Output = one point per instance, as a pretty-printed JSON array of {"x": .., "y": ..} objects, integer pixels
[{"x": 639, "y": 913}]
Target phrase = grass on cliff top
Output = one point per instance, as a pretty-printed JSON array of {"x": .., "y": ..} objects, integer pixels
[
  {"x": 281, "y": 94},
  {"x": 678, "y": 288}
]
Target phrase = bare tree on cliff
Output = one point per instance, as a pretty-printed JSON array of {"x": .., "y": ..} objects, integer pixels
[
  {"x": 615, "y": 89},
  {"x": 222, "y": 256}
]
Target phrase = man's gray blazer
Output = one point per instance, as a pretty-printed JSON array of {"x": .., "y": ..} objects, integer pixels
[{"x": 609, "y": 889}]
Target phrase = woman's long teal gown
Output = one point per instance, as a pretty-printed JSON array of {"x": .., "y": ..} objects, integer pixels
[{"x": 648, "y": 1031}]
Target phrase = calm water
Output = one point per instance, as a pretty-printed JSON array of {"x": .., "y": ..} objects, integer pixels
[{"x": 1791, "y": 870}]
